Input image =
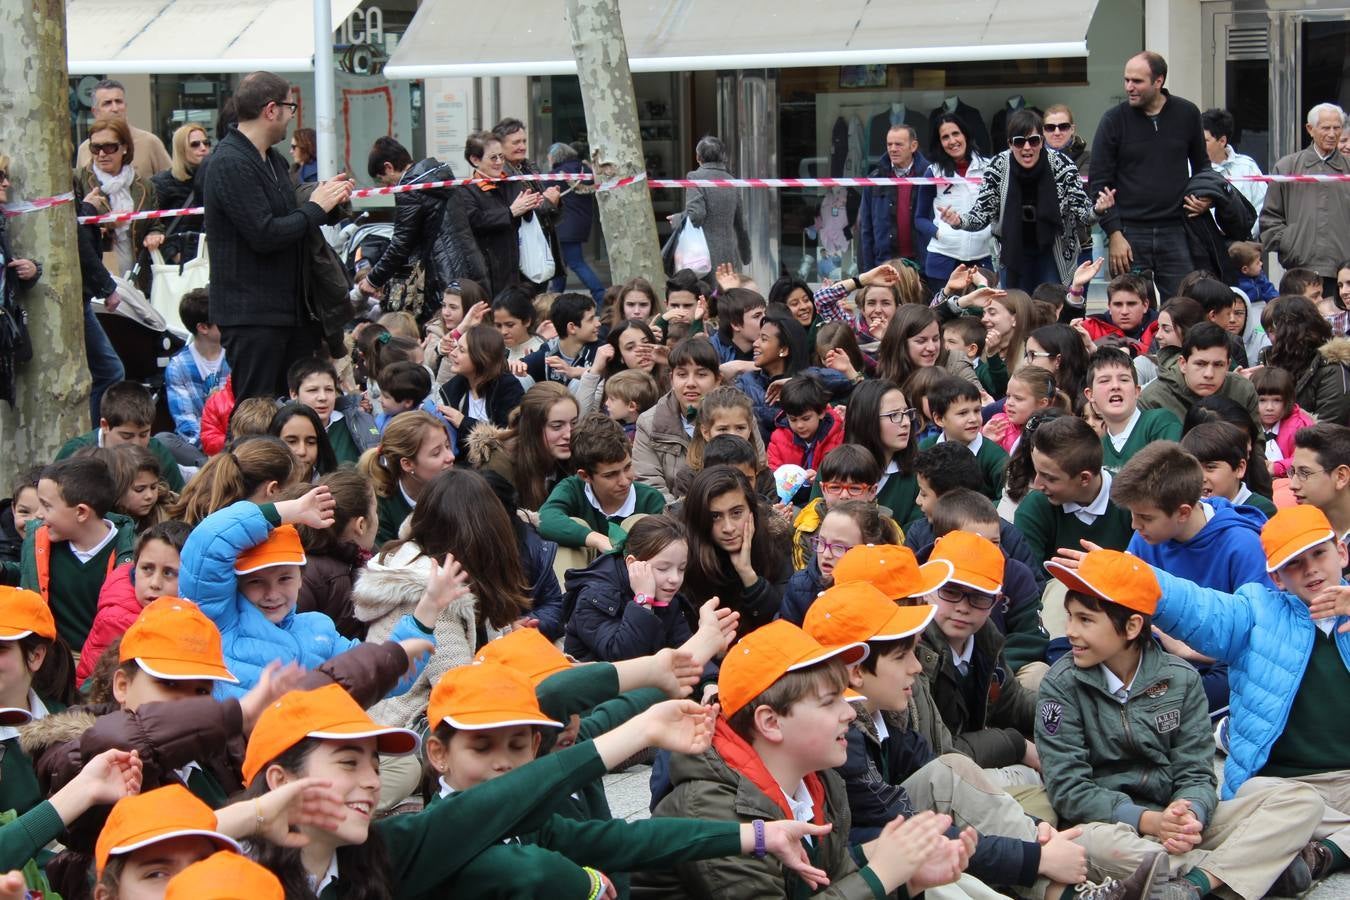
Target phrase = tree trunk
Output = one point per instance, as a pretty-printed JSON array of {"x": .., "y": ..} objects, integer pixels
[
  {"x": 53, "y": 389},
  {"x": 616, "y": 143}
]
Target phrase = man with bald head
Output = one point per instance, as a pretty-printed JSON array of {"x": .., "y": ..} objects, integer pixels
[{"x": 1147, "y": 148}]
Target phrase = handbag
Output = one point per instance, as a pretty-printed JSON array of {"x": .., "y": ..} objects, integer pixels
[
  {"x": 536, "y": 257},
  {"x": 170, "y": 281},
  {"x": 407, "y": 292},
  {"x": 691, "y": 249}
]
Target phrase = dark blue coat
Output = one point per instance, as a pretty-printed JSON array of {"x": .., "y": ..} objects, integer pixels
[
  {"x": 537, "y": 555},
  {"x": 801, "y": 592},
  {"x": 876, "y": 216},
  {"x": 603, "y": 622},
  {"x": 578, "y": 210}
]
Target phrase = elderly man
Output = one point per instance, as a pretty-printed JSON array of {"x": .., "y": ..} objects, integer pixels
[
  {"x": 1147, "y": 148},
  {"x": 150, "y": 158},
  {"x": 1308, "y": 225},
  {"x": 886, "y": 219}
]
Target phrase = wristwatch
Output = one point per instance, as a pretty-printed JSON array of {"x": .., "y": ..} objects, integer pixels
[{"x": 644, "y": 600}]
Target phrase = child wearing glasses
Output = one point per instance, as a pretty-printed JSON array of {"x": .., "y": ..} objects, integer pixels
[
  {"x": 848, "y": 472},
  {"x": 1319, "y": 473},
  {"x": 846, "y": 524}
]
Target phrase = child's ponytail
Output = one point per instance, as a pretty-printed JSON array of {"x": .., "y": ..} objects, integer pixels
[
  {"x": 235, "y": 473},
  {"x": 402, "y": 439}
]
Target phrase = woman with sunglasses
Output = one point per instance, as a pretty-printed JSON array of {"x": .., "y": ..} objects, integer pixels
[
  {"x": 180, "y": 186},
  {"x": 1035, "y": 202},
  {"x": 494, "y": 209},
  {"x": 110, "y": 184}
]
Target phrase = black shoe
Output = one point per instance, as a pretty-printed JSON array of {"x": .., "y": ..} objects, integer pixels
[
  {"x": 1295, "y": 879},
  {"x": 1144, "y": 883}
]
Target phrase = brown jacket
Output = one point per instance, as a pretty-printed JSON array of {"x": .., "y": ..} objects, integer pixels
[
  {"x": 660, "y": 445},
  {"x": 143, "y": 197}
]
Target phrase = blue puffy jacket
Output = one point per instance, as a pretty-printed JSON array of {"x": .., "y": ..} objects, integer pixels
[
  {"x": 1266, "y": 637},
  {"x": 250, "y": 642}
]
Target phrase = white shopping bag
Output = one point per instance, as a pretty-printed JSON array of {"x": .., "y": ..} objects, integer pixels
[{"x": 536, "y": 257}]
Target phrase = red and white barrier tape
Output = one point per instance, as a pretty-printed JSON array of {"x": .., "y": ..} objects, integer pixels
[{"x": 14, "y": 209}]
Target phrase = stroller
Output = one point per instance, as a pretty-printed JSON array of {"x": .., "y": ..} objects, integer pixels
[{"x": 144, "y": 342}]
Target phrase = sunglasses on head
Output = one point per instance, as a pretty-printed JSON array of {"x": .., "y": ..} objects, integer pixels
[
  {"x": 1026, "y": 140},
  {"x": 1059, "y": 126},
  {"x": 102, "y": 149},
  {"x": 197, "y": 145}
]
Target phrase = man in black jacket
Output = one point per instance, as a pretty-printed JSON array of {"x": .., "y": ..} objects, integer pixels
[
  {"x": 1141, "y": 149},
  {"x": 256, "y": 236}
]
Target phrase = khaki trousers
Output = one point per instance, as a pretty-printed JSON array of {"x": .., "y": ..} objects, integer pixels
[{"x": 1334, "y": 789}]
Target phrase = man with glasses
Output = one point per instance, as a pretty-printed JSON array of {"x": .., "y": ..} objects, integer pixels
[
  {"x": 256, "y": 232},
  {"x": 1319, "y": 473},
  {"x": 1147, "y": 148},
  {"x": 149, "y": 158}
]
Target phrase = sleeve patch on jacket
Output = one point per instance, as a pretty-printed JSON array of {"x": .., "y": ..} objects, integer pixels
[
  {"x": 1052, "y": 714},
  {"x": 1169, "y": 720}
]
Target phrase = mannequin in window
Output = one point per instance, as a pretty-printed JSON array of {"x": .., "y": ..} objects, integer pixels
[
  {"x": 970, "y": 117},
  {"x": 999, "y": 126}
]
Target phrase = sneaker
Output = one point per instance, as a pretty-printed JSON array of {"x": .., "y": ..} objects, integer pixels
[
  {"x": 1318, "y": 858},
  {"x": 1144, "y": 883},
  {"x": 1296, "y": 877},
  {"x": 1221, "y": 735}
]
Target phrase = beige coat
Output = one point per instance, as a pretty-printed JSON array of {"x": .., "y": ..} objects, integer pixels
[{"x": 1308, "y": 225}]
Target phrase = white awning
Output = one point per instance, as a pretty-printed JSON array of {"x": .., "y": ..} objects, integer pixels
[
  {"x": 163, "y": 37},
  {"x": 448, "y": 39}
]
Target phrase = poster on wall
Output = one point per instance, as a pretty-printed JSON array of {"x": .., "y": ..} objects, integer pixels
[{"x": 448, "y": 105}]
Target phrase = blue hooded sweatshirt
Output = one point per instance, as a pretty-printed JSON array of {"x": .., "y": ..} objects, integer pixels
[{"x": 1223, "y": 556}]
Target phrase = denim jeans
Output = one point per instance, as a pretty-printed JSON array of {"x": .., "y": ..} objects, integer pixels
[
  {"x": 1163, "y": 250},
  {"x": 575, "y": 260},
  {"x": 1036, "y": 269},
  {"x": 105, "y": 366}
]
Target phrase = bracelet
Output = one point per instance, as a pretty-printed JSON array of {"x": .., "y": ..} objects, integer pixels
[
  {"x": 259, "y": 820},
  {"x": 857, "y": 283},
  {"x": 760, "y": 849},
  {"x": 1077, "y": 291},
  {"x": 455, "y": 334},
  {"x": 645, "y": 600},
  {"x": 597, "y": 883}
]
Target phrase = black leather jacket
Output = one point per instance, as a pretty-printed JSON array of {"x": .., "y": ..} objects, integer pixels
[{"x": 431, "y": 225}]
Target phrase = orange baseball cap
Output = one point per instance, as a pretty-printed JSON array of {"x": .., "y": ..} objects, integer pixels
[
  {"x": 327, "y": 713},
  {"x": 159, "y": 815},
  {"x": 224, "y": 876},
  {"x": 1293, "y": 530},
  {"x": 528, "y": 651},
  {"x": 1111, "y": 575},
  {"x": 891, "y": 569},
  {"x": 767, "y": 654},
  {"x": 282, "y": 548},
  {"x": 976, "y": 561},
  {"x": 23, "y": 613},
  {"x": 173, "y": 639},
  {"x": 858, "y": 612},
  {"x": 485, "y": 695}
]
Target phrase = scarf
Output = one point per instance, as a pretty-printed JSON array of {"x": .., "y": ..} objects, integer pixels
[
  {"x": 743, "y": 759},
  {"x": 1035, "y": 190},
  {"x": 117, "y": 188}
]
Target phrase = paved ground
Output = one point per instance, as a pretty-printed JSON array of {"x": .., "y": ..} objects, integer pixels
[{"x": 629, "y": 795}]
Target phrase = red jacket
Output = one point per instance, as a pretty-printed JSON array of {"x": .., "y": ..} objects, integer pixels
[
  {"x": 1100, "y": 326},
  {"x": 785, "y": 447},
  {"x": 216, "y": 418},
  {"x": 117, "y": 609}
]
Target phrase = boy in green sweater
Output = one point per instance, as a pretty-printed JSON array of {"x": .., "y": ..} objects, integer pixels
[
  {"x": 351, "y": 430},
  {"x": 955, "y": 405},
  {"x": 1072, "y": 496},
  {"x": 126, "y": 415},
  {"x": 79, "y": 542},
  {"x": 588, "y": 509},
  {"x": 1113, "y": 390},
  {"x": 1124, "y": 737}
]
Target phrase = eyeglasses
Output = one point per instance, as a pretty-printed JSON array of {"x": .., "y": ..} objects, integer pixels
[
  {"x": 197, "y": 145},
  {"x": 845, "y": 488},
  {"x": 910, "y": 415},
  {"x": 105, "y": 149},
  {"x": 1058, "y": 126},
  {"x": 291, "y": 106},
  {"x": 1026, "y": 140},
  {"x": 496, "y": 157},
  {"x": 1032, "y": 355},
  {"x": 818, "y": 546},
  {"x": 977, "y": 600},
  {"x": 1302, "y": 474},
  {"x": 4, "y": 176}
]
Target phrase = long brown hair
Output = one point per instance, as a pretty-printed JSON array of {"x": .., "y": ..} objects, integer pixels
[
  {"x": 402, "y": 439},
  {"x": 709, "y": 564},
  {"x": 459, "y": 513},
  {"x": 893, "y": 362},
  {"x": 233, "y": 474},
  {"x": 524, "y": 442}
]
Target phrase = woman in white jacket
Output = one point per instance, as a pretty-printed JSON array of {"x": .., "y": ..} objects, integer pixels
[{"x": 955, "y": 157}]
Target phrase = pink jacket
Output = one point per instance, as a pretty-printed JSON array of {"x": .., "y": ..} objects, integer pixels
[
  {"x": 117, "y": 609},
  {"x": 1010, "y": 436},
  {"x": 1289, "y": 425}
]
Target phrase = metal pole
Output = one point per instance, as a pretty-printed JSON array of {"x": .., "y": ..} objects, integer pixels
[{"x": 325, "y": 93}]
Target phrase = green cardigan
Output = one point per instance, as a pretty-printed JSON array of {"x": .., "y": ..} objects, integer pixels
[
  {"x": 1048, "y": 527},
  {"x": 393, "y": 510},
  {"x": 568, "y": 501}
]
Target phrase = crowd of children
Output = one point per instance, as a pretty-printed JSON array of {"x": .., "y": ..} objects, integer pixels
[{"x": 897, "y": 594}]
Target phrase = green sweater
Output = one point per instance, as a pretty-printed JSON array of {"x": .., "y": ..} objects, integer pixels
[
  {"x": 1318, "y": 727},
  {"x": 993, "y": 375},
  {"x": 73, "y": 586},
  {"x": 993, "y": 462},
  {"x": 23, "y": 838},
  {"x": 900, "y": 494},
  {"x": 568, "y": 501},
  {"x": 340, "y": 439},
  {"x": 1048, "y": 527},
  {"x": 168, "y": 466},
  {"x": 1153, "y": 425},
  {"x": 393, "y": 510},
  {"x": 1262, "y": 503}
]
